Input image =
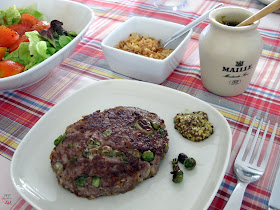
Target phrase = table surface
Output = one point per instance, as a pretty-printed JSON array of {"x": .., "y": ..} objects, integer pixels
[{"x": 21, "y": 109}]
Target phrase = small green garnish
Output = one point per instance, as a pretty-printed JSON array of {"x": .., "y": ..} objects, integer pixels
[
  {"x": 81, "y": 181},
  {"x": 107, "y": 133},
  {"x": 148, "y": 156},
  {"x": 190, "y": 163},
  {"x": 178, "y": 176},
  {"x": 124, "y": 158},
  {"x": 91, "y": 144},
  {"x": 95, "y": 181},
  {"x": 155, "y": 125},
  {"x": 60, "y": 139},
  {"x": 73, "y": 159},
  {"x": 97, "y": 143},
  {"x": 110, "y": 153},
  {"x": 175, "y": 161}
]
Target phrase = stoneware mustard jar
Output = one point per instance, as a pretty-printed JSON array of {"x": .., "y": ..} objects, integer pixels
[{"x": 229, "y": 54}]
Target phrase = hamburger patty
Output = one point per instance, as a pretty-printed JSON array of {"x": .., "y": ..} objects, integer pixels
[{"x": 109, "y": 152}]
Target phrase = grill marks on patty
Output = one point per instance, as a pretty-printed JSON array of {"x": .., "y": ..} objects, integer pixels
[{"x": 109, "y": 145}]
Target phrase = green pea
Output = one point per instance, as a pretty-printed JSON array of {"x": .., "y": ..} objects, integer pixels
[
  {"x": 190, "y": 163},
  {"x": 95, "y": 181},
  {"x": 148, "y": 156},
  {"x": 81, "y": 181},
  {"x": 178, "y": 176}
]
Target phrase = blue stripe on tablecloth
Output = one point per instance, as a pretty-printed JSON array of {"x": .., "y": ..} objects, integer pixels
[{"x": 33, "y": 103}]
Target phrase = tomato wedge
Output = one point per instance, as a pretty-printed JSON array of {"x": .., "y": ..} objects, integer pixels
[
  {"x": 3, "y": 50},
  {"x": 20, "y": 28},
  {"x": 28, "y": 20},
  {"x": 16, "y": 44},
  {"x": 41, "y": 25},
  {"x": 10, "y": 68},
  {"x": 7, "y": 36}
]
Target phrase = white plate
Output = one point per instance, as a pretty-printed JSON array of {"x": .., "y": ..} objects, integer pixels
[
  {"x": 36, "y": 182},
  {"x": 266, "y": 1}
]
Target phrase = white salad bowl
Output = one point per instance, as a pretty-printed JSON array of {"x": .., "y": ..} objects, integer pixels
[
  {"x": 138, "y": 66},
  {"x": 75, "y": 17}
]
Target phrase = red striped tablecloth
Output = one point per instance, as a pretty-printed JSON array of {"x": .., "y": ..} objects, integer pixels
[{"x": 21, "y": 109}]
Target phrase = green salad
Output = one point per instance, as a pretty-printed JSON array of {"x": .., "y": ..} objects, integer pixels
[{"x": 28, "y": 39}]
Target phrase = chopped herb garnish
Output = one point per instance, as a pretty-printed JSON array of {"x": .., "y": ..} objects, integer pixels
[{"x": 60, "y": 139}]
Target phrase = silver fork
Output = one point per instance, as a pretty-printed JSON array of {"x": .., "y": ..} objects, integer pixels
[{"x": 248, "y": 171}]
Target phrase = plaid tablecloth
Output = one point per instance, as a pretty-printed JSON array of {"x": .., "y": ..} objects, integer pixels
[{"x": 21, "y": 109}]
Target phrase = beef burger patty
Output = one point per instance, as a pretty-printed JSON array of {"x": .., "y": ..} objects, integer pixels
[{"x": 109, "y": 152}]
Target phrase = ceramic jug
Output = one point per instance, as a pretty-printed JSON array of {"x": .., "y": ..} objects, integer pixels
[{"x": 229, "y": 54}]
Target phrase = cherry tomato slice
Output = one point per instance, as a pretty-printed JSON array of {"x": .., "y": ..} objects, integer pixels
[
  {"x": 10, "y": 68},
  {"x": 8, "y": 36}
]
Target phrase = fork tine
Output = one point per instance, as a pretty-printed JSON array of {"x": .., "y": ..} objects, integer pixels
[
  {"x": 261, "y": 145},
  {"x": 245, "y": 141},
  {"x": 268, "y": 149},
  {"x": 250, "y": 153}
]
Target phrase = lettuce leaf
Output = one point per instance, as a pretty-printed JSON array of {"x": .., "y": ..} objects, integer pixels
[
  {"x": 41, "y": 44},
  {"x": 37, "y": 47},
  {"x": 42, "y": 49},
  {"x": 30, "y": 53},
  {"x": 32, "y": 11},
  {"x": 12, "y": 16},
  {"x": 21, "y": 54},
  {"x": 57, "y": 36},
  {"x": 2, "y": 17}
]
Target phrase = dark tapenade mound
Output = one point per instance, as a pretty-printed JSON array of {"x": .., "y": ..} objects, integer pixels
[
  {"x": 194, "y": 126},
  {"x": 109, "y": 152}
]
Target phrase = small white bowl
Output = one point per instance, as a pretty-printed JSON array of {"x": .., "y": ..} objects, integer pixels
[
  {"x": 138, "y": 66},
  {"x": 75, "y": 17}
]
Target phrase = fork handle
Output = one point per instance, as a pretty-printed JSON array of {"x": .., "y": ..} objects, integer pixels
[{"x": 235, "y": 200}]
